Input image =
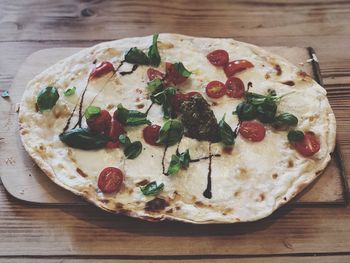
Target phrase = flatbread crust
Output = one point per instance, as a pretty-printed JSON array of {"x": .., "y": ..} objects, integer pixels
[{"x": 248, "y": 184}]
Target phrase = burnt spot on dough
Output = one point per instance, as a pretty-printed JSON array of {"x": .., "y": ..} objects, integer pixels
[
  {"x": 288, "y": 83},
  {"x": 140, "y": 106},
  {"x": 278, "y": 69},
  {"x": 243, "y": 174},
  {"x": 130, "y": 191},
  {"x": 267, "y": 76},
  {"x": 290, "y": 163},
  {"x": 274, "y": 176},
  {"x": 139, "y": 91},
  {"x": 81, "y": 172},
  {"x": 302, "y": 74},
  {"x": 199, "y": 204},
  {"x": 156, "y": 204},
  {"x": 262, "y": 197},
  {"x": 227, "y": 150},
  {"x": 110, "y": 106},
  {"x": 177, "y": 208},
  {"x": 237, "y": 194},
  {"x": 214, "y": 103},
  {"x": 142, "y": 183},
  {"x": 105, "y": 201},
  {"x": 285, "y": 198},
  {"x": 169, "y": 211},
  {"x": 227, "y": 211},
  {"x": 165, "y": 45},
  {"x": 119, "y": 206}
]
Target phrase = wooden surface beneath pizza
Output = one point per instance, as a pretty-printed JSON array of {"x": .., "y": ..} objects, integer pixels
[{"x": 32, "y": 233}]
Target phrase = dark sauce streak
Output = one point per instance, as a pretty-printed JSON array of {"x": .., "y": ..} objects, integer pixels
[
  {"x": 163, "y": 165},
  {"x": 134, "y": 67},
  {"x": 69, "y": 119},
  {"x": 121, "y": 64},
  {"x": 249, "y": 85},
  {"x": 207, "y": 193},
  {"x": 204, "y": 158},
  {"x": 149, "y": 108},
  {"x": 81, "y": 107}
]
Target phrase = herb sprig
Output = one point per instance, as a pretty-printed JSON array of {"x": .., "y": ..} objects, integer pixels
[{"x": 178, "y": 161}]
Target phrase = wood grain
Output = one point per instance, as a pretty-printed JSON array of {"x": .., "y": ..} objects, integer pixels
[
  {"x": 296, "y": 259},
  {"x": 85, "y": 230}
]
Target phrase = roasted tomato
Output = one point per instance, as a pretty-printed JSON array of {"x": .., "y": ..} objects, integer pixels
[
  {"x": 172, "y": 76},
  {"x": 218, "y": 57},
  {"x": 151, "y": 134},
  {"x": 154, "y": 74},
  {"x": 234, "y": 87},
  {"x": 101, "y": 69},
  {"x": 308, "y": 146},
  {"x": 236, "y": 66},
  {"x": 215, "y": 89},
  {"x": 101, "y": 122},
  {"x": 252, "y": 130},
  {"x": 114, "y": 130},
  {"x": 110, "y": 180}
]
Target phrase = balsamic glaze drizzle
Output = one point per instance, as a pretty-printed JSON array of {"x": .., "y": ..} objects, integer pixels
[
  {"x": 134, "y": 67},
  {"x": 163, "y": 158},
  {"x": 149, "y": 108},
  {"x": 207, "y": 193}
]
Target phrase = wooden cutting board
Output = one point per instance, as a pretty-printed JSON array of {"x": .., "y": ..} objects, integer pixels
[{"x": 25, "y": 181}]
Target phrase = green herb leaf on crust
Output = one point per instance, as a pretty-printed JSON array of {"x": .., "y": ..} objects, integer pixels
[
  {"x": 131, "y": 117},
  {"x": 47, "y": 98},
  {"x": 132, "y": 150},
  {"x": 179, "y": 161},
  {"x": 171, "y": 132},
  {"x": 286, "y": 119},
  {"x": 70, "y": 91},
  {"x": 153, "y": 52},
  {"x": 295, "y": 136},
  {"x": 180, "y": 68},
  {"x": 226, "y": 133},
  {"x": 136, "y": 56},
  {"x": 92, "y": 111},
  {"x": 152, "y": 188},
  {"x": 84, "y": 139}
]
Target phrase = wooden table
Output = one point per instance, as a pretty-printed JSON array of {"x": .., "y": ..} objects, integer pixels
[{"x": 83, "y": 233}]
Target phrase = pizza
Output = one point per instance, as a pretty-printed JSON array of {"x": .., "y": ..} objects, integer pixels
[{"x": 199, "y": 130}]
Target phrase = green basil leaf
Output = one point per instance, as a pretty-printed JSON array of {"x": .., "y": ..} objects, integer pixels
[
  {"x": 226, "y": 133},
  {"x": 185, "y": 159},
  {"x": 174, "y": 165},
  {"x": 171, "y": 132},
  {"x": 132, "y": 150},
  {"x": 155, "y": 86},
  {"x": 136, "y": 56},
  {"x": 246, "y": 111},
  {"x": 131, "y": 117},
  {"x": 295, "y": 136},
  {"x": 179, "y": 161},
  {"x": 5, "y": 94},
  {"x": 266, "y": 111},
  {"x": 153, "y": 52},
  {"x": 286, "y": 119},
  {"x": 124, "y": 140},
  {"x": 70, "y": 91},
  {"x": 164, "y": 98},
  {"x": 47, "y": 98},
  {"x": 180, "y": 68},
  {"x": 152, "y": 188},
  {"x": 84, "y": 139},
  {"x": 92, "y": 111}
]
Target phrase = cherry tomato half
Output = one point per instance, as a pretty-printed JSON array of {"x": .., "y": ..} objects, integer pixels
[
  {"x": 252, "y": 130},
  {"x": 172, "y": 76},
  {"x": 234, "y": 87},
  {"x": 309, "y": 145},
  {"x": 110, "y": 180},
  {"x": 218, "y": 57},
  {"x": 101, "y": 69},
  {"x": 114, "y": 130},
  {"x": 236, "y": 66},
  {"x": 154, "y": 74},
  {"x": 101, "y": 122},
  {"x": 151, "y": 134},
  {"x": 215, "y": 89}
]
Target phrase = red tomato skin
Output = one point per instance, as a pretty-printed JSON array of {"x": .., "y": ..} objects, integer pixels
[
  {"x": 308, "y": 146},
  {"x": 189, "y": 95},
  {"x": 101, "y": 69},
  {"x": 110, "y": 180},
  {"x": 218, "y": 57},
  {"x": 252, "y": 131},
  {"x": 101, "y": 122},
  {"x": 215, "y": 89},
  {"x": 178, "y": 98},
  {"x": 154, "y": 74},
  {"x": 114, "y": 130},
  {"x": 234, "y": 87},
  {"x": 112, "y": 145},
  {"x": 172, "y": 76},
  {"x": 151, "y": 134},
  {"x": 237, "y": 66}
]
